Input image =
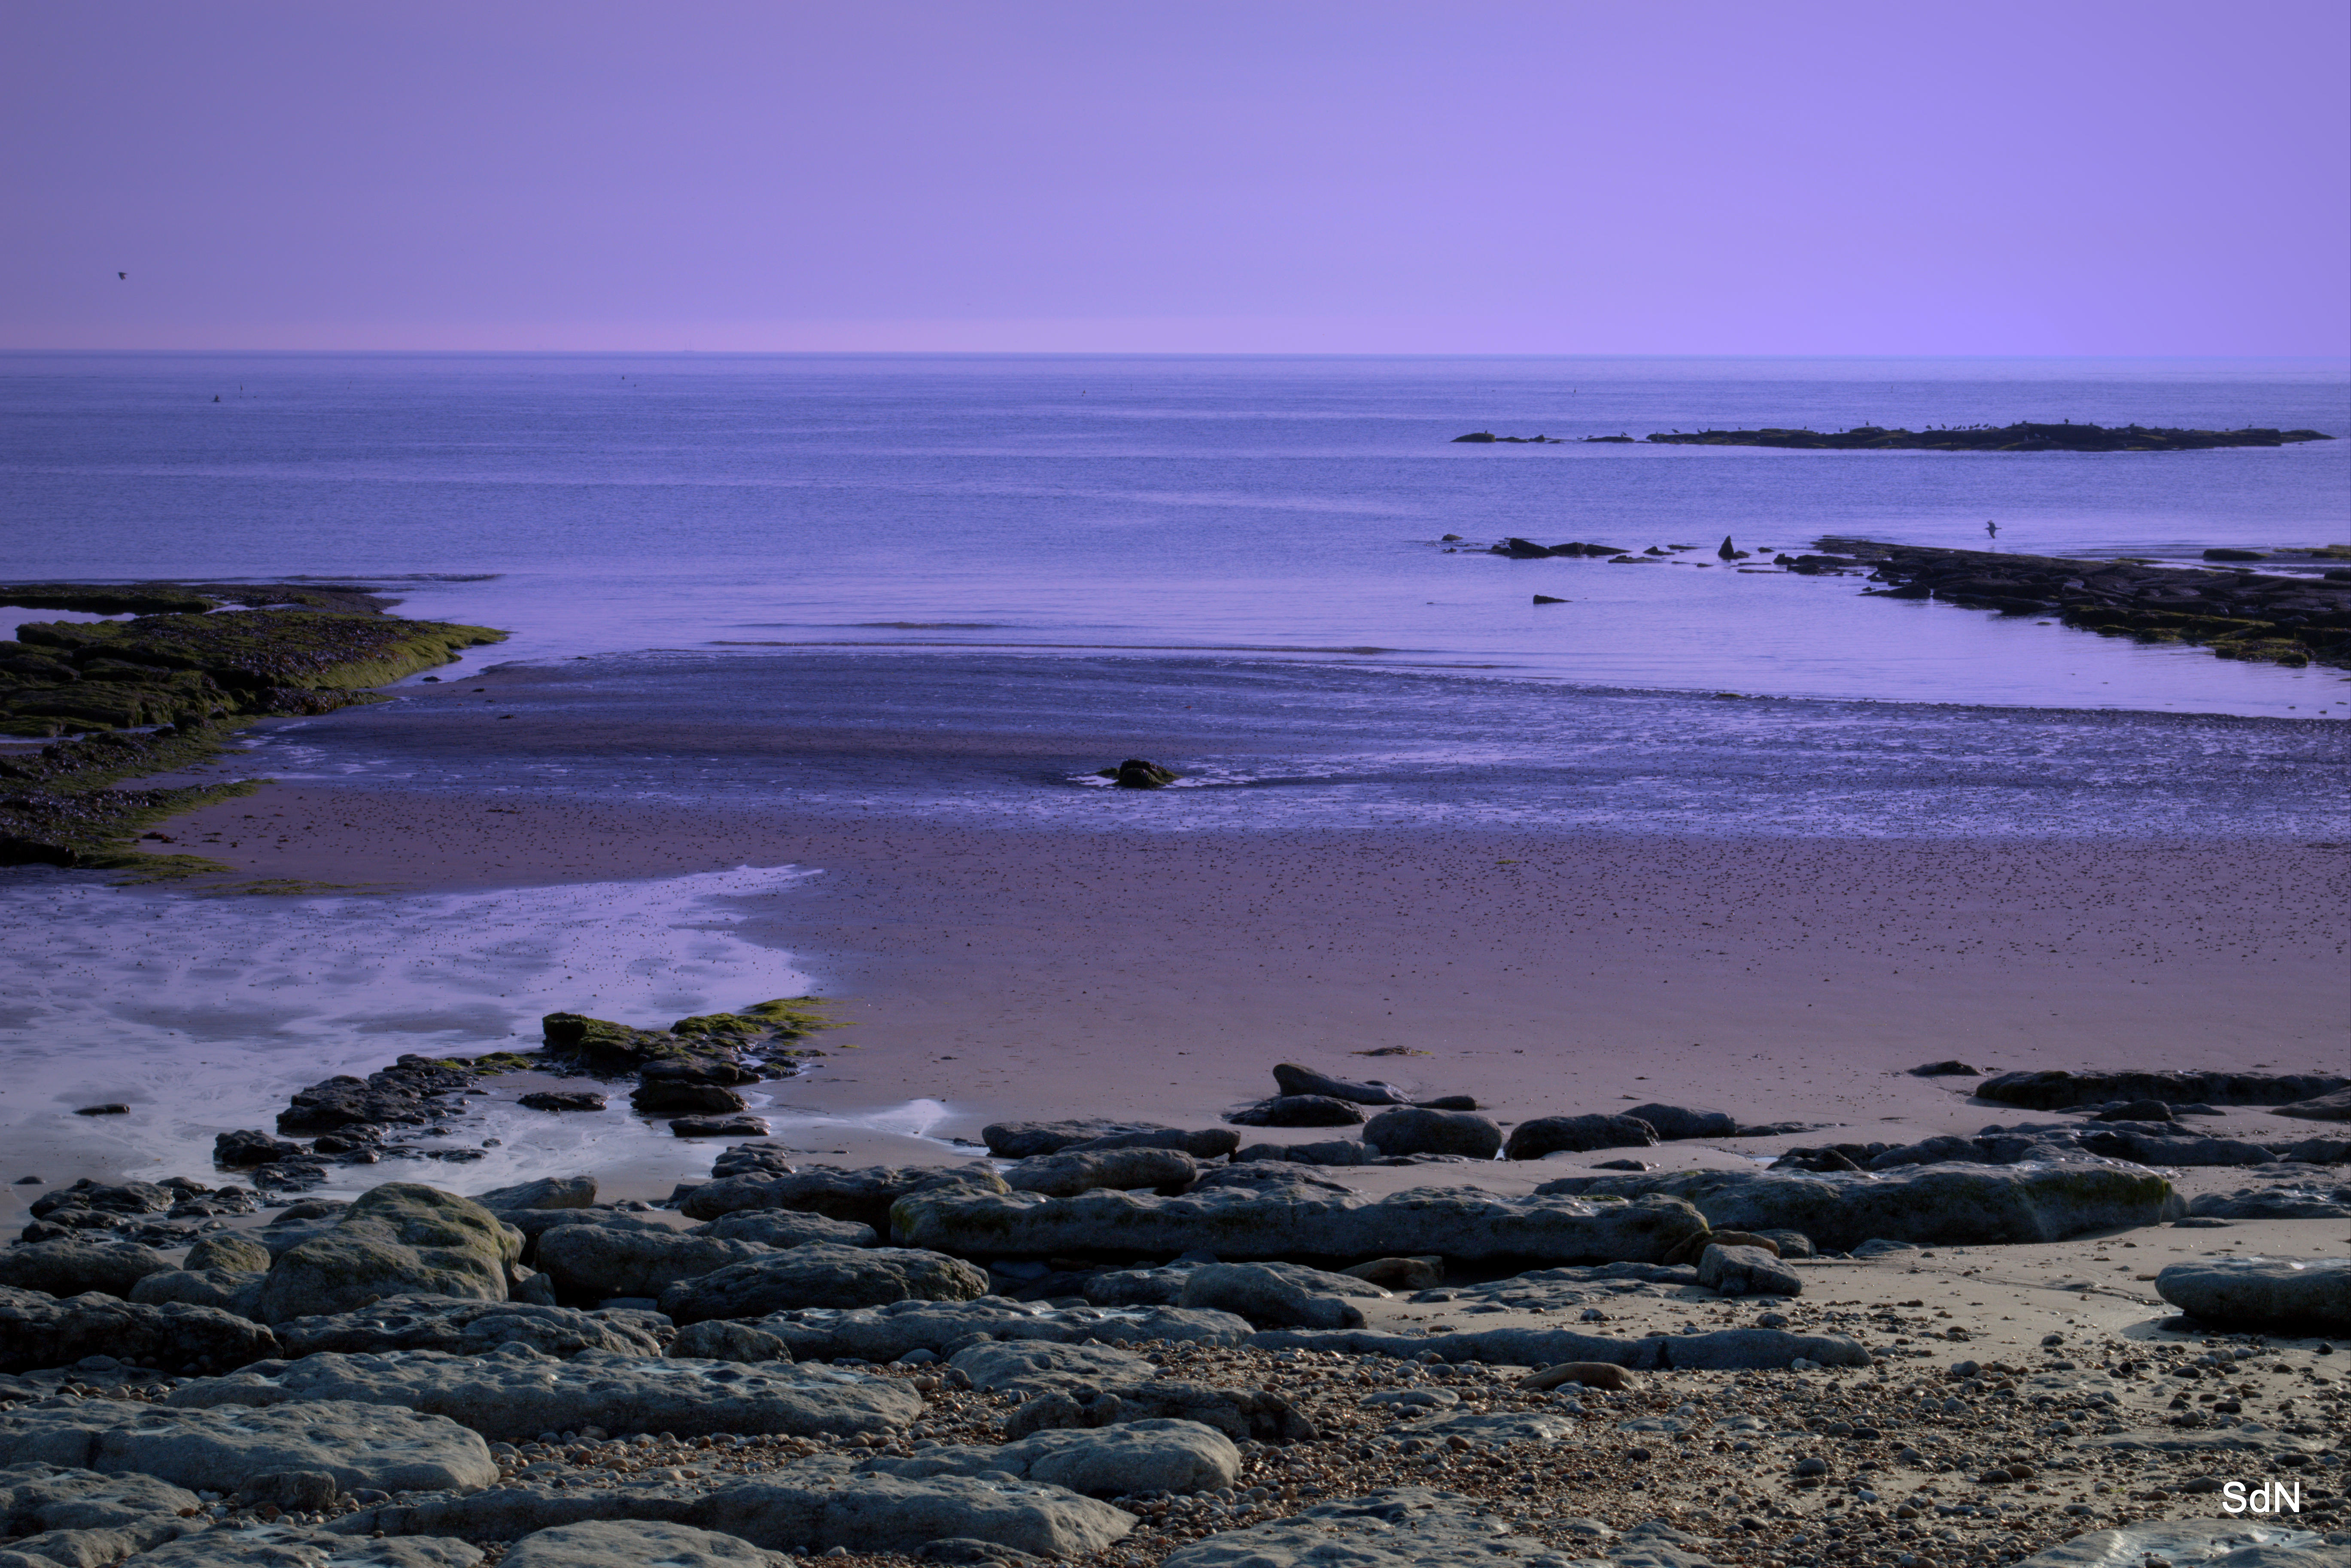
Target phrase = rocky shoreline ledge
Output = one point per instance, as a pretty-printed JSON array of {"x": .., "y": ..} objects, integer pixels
[
  {"x": 165, "y": 690},
  {"x": 1115, "y": 1343}
]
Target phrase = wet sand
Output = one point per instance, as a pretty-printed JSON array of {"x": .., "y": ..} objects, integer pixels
[{"x": 1013, "y": 974}]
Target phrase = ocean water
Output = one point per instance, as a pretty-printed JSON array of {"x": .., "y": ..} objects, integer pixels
[{"x": 955, "y": 586}]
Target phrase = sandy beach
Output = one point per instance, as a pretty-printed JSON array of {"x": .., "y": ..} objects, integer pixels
[{"x": 1017, "y": 973}]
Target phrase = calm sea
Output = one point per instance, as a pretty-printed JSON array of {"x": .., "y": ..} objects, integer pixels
[{"x": 951, "y": 587}]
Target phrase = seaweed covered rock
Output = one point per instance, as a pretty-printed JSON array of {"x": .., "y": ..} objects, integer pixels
[{"x": 400, "y": 1238}]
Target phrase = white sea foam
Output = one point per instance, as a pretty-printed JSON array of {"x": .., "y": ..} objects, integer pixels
[{"x": 203, "y": 1014}]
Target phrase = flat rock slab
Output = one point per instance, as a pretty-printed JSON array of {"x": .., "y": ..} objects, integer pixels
[
  {"x": 813, "y": 1508},
  {"x": 598, "y": 1262},
  {"x": 1027, "y": 1367},
  {"x": 463, "y": 1328},
  {"x": 1242, "y": 1414},
  {"x": 1725, "y": 1350},
  {"x": 1239, "y": 1224},
  {"x": 821, "y": 1274},
  {"x": 281, "y": 1548},
  {"x": 885, "y": 1333},
  {"x": 514, "y": 1394},
  {"x": 1554, "y": 1290},
  {"x": 638, "y": 1543},
  {"x": 2193, "y": 1543},
  {"x": 1948, "y": 1204},
  {"x": 75, "y": 1517},
  {"x": 1516, "y": 1427},
  {"x": 2262, "y": 1294},
  {"x": 360, "y": 1445},
  {"x": 1136, "y": 1456},
  {"x": 1406, "y": 1526},
  {"x": 1280, "y": 1295}
]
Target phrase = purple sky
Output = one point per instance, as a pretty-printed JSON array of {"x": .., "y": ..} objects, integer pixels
[{"x": 2149, "y": 177}]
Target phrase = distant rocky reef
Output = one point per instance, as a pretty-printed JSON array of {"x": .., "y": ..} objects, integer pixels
[
  {"x": 2024, "y": 437},
  {"x": 164, "y": 689}
]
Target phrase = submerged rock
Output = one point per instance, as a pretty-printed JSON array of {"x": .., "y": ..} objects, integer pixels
[{"x": 1134, "y": 773}]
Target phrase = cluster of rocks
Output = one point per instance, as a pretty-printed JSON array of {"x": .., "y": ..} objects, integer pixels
[
  {"x": 2239, "y": 614},
  {"x": 689, "y": 1074}
]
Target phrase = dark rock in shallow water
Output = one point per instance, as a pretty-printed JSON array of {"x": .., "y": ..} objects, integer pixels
[
  {"x": 2054, "y": 1090},
  {"x": 244, "y": 1149},
  {"x": 676, "y": 1095},
  {"x": 1134, "y": 773},
  {"x": 1576, "y": 1135},
  {"x": 1299, "y": 1111},
  {"x": 1292, "y": 1079},
  {"x": 563, "y": 1100},
  {"x": 108, "y": 1110},
  {"x": 718, "y": 1127}
]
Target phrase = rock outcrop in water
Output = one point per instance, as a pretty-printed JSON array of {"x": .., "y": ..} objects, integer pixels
[{"x": 2024, "y": 437}]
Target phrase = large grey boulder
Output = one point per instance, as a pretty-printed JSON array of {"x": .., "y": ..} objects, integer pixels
[
  {"x": 810, "y": 1509},
  {"x": 550, "y": 1192},
  {"x": 282, "y": 1548},
  {"x": 2240, "y": 1542},
  {"x": 466, "y": 1328},
  {"x": 401, "y": 1239},
  {"x": 2057, "y": 1090},
  {"x": 885, "y": 1333},
  {"x": 1280, "y": 1295},
  {"x": 1288, "y": 1222},
  {"x": 1411, "y": 1130},
  {"x": 2255, "y": 1295},
  {"x": 1723, "y": 1350},
  {"x": 360, "y": 1445},
  {"x": 80, "y": 1518},
  {"x": 1027, "y": 1367},
  {"x": 861, "y": 1196},
  {"x": 596, "y": 1262},
  {"x": 1069, "y": 1174},
  {"x": 39, "y": 1331},
  {"x": 1110, "y": 1461},
  {"x": 1576, "y": 1135},
  {"x": 1405, "y": 1527},
  {"x": 1932, "y": 1205},
  {"x": 638, "y": 1543},
  {"x": 1747, "y": 1272},
  {"x": 68, "y": 1267},
  {"x": 782, "y": 1227},
  {"x": 226, "y": 1290},
  {"x": 513, "y": 1394},
  {"x": 822, "y": 1275}
]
